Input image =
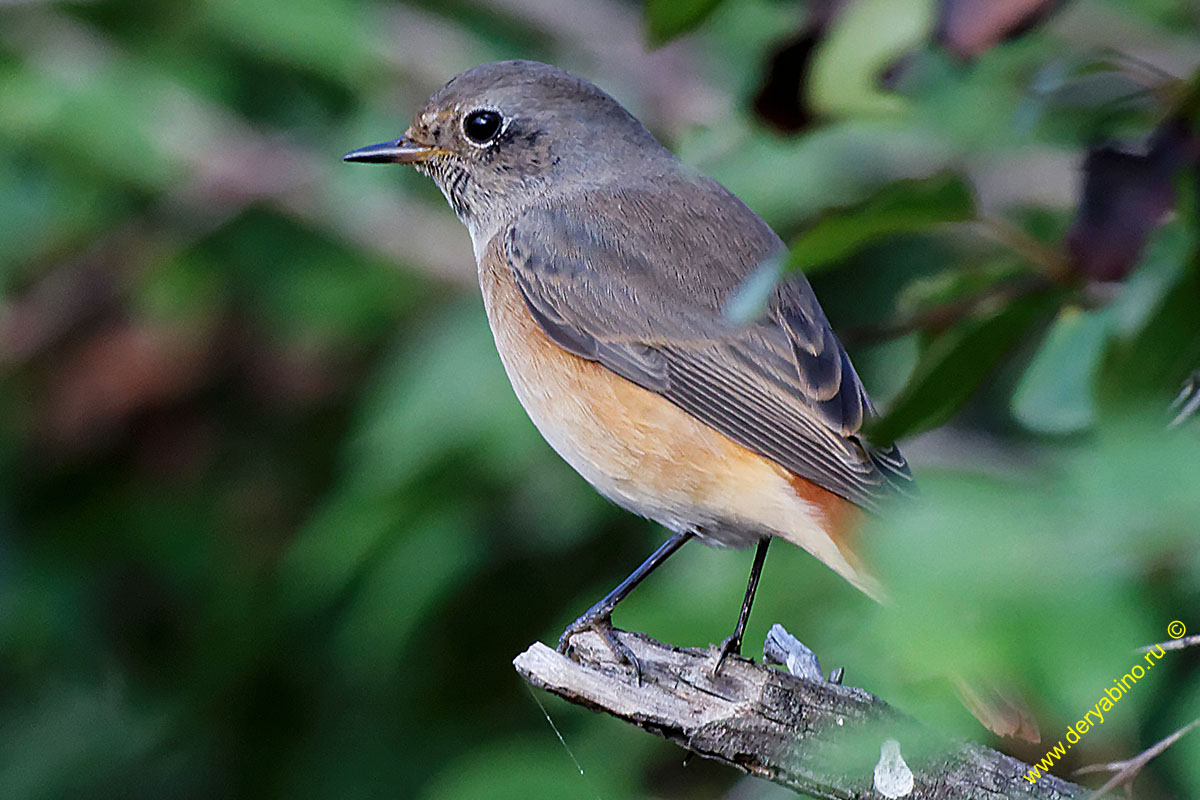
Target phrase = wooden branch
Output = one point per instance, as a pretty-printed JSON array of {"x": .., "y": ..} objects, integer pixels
[{"x": 816, "y": 737}]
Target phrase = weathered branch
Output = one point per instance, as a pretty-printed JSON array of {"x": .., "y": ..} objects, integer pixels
[{"x": 817, "y": 737}]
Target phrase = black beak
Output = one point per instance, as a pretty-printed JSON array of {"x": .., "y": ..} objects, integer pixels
[{"x": 398, "y": 151}]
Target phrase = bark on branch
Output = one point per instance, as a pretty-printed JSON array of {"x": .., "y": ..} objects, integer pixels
[{"x": 817, "y": 737}]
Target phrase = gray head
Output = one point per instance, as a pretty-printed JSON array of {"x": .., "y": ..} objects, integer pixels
[{"x": 502, "y": 136}]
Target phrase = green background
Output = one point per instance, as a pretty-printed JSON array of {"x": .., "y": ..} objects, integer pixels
[{"x": 272, "y": 523}]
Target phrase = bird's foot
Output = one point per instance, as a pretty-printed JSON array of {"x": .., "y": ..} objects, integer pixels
[
  {"x": 601, "y": 624},
  {"x": 732, "y": 646}
]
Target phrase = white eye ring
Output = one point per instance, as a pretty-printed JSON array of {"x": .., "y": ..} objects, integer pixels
[{"x": 481, "y": 126}]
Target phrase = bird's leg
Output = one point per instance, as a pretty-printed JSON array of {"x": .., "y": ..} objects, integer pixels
[
  {"x": 734, "y": 643},
  {"x": 599, "y": 616}
]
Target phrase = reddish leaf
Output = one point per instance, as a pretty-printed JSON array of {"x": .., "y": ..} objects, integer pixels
[
  {"x": 969, "y": 27},
  {"x": 1125, "y": 197}
]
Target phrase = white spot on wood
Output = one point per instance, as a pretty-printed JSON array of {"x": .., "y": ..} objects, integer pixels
[{"x": 893, "y": 778}]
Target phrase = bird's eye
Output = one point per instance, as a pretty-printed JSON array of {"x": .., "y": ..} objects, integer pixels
[{"x": 481, "y": 126}]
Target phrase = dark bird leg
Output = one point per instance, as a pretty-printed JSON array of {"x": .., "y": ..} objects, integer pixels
[
  {"x": 734, "y": 643},
  {"x": 599, "y": 616}
]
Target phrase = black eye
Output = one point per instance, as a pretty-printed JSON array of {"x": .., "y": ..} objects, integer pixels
[{"x": 482, "y": 126}]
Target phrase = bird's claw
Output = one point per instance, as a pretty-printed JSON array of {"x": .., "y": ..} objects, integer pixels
[
  {"x": 732, "y": 646},
  {"x": 584, "y": 623},
  {"x": 603, "y": 626}
]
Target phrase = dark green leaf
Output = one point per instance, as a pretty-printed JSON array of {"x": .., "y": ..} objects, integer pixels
[
  {"x": 956, "y": 285},
  {"x": 1151, "y": 366},
  {"x": 900, "y": 207},
  {"x": 954, "y": 365},
  {"x": 1162, "y": 265},
  {"x": 1055, "y": 395},
  {"x": 668, "y": 19}
]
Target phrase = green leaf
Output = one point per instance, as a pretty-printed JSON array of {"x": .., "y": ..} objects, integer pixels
[
  {"x": 329, "y": 37},
  {"x": 954, "y": 365},
  {"x": 863, "y": 40},
  {"x": 1149, "y": 367},
  {"x": 955, "y": 285},
  {"x": 901, "y": 207},
  {"x": 669, "y": 19},
  {"x": 1162, "y": 264},
  {"x": 1083, "y": 92},
  {"x": 973, "y": 566},
  {"x": 1055, "y": 395},
  {"x": 750, "y": 299}
]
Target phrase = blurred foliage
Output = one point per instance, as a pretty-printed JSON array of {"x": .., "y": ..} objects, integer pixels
[{"x": 272, "y": 523}]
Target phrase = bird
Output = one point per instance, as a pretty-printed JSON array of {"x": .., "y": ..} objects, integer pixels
[{"x": 607, "y": 267}]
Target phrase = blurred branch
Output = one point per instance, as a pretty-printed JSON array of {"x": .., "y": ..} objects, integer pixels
[
  {"x": 1129, "y": 769},
  {"x": 228, "y": 165},
  {"x": 940, "y": 317},
  {"x": 1050, "y": 262},
  {"x": 813, "y": 736},
  {"x": 1172, "y": 644}
]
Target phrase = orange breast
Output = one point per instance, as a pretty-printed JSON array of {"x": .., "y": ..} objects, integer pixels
[{"x": 650, "y": 456}]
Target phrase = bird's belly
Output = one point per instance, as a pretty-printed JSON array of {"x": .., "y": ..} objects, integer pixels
[{"x": 645, "y": 453}]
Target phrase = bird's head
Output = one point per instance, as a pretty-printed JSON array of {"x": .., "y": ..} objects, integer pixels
[{"x": 502, "y": 136}]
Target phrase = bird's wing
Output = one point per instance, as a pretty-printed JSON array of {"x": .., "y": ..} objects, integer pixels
[{"x": 638, "y": 284}]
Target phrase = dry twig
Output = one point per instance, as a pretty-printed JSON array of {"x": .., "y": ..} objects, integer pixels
[
  {"x": 808, "y": 734},
  {"x": 1129, "y": 768}
]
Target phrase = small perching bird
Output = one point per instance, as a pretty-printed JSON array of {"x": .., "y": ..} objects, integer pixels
[{"x": 606, "y": 266}]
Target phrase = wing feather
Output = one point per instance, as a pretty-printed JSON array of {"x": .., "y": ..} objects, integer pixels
[{"x": 638, "y": 285}]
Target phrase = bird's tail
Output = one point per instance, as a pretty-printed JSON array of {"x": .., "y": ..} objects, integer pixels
[{"x": 1002, "y": 711}]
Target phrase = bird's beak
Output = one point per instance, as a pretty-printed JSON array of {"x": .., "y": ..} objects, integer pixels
[{"x": 397, "y": 151}]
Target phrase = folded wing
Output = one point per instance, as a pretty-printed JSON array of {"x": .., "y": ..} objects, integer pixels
[{"x": 639, "y": 285}]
